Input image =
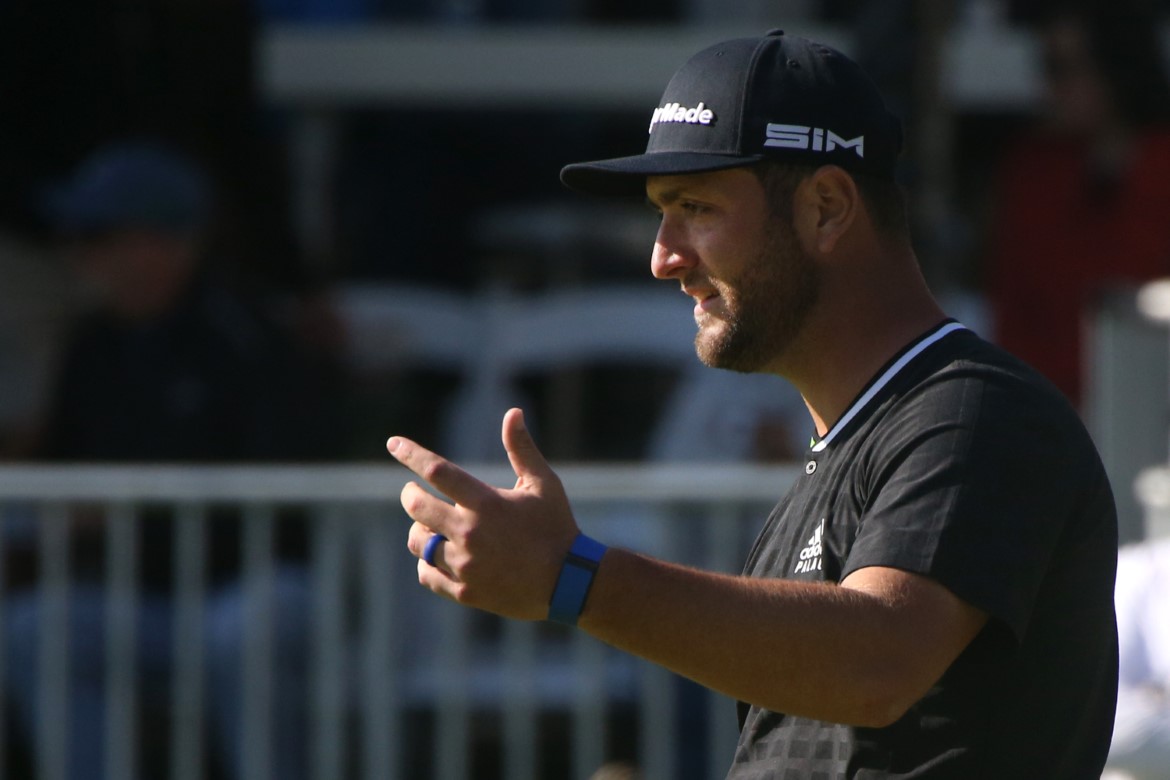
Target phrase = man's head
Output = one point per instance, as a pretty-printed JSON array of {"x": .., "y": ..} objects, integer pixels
[
  {"x": 763, "y": 155},
  {"x": 133, "y": 216}
]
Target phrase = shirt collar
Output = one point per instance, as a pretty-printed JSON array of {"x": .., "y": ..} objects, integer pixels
[{"x": 892, "y": 370}]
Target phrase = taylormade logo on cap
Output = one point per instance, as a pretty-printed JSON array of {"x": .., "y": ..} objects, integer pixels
[{"x": 675, "y": 112}]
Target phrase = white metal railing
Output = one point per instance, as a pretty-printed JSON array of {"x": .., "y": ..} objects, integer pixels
[{"x": 381, "y": 650}]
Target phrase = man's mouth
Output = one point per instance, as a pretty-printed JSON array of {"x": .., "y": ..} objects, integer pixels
[{"x": 705, "y": 299}]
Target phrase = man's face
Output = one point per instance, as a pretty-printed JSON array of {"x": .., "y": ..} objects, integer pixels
[
  {"x": 752, "y": 282},
  {"x": 136, "y": 273}
]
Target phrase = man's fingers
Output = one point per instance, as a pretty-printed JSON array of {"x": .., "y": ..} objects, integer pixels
[
  {"x": 439, "y": 581},
  {"x": 445, "y": 476},
  {"x": 417, "y": 538},
  {"x": 417, "y": 541},
  {"x": 429, "y": 510},
  {"x": 526, "y": 458}
]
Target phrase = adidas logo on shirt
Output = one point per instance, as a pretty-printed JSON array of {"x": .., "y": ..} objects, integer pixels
[{"x": 810, "y": 556}]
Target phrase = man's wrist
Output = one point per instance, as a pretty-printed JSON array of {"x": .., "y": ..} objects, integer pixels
[{"x": 575, "y": 580}]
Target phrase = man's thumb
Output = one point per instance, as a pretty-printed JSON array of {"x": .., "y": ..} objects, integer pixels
[{"x": 523, "y": 454}]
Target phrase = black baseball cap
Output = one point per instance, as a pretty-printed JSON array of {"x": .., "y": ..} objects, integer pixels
[{"x": 750, "y": 99}]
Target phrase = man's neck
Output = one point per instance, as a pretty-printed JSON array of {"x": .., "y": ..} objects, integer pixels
[{"x": 845, "y": 348}]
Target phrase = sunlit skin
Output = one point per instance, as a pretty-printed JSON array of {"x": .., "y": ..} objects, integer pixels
[{"x": 752, "y": 283}]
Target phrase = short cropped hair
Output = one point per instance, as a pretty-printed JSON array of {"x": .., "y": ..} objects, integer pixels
[{"x": 884, "y": 199}]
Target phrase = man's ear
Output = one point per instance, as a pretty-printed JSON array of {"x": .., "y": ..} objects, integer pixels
[{"x": 825, "y": 206}]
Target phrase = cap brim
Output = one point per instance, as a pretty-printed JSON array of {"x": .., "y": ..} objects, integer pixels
[{"x": 626, "y": 176}]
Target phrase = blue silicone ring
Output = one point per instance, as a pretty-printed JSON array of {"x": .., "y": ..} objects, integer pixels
[
  {"x": 575, "y": 580},
  {"x": 432, "y": 545}
]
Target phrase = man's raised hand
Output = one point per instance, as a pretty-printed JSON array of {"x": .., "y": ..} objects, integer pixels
[{"x": 504, "y": 547}]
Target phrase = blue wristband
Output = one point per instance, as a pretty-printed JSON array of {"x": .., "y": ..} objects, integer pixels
[{"x": 575, "y": 580}]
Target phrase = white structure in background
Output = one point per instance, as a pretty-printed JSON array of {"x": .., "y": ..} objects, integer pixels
[
  {"x": 382, "y": 648},
  {"x": 1141, "y": 738}
]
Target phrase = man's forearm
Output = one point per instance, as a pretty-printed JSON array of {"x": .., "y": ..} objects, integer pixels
[{"x": 813, "y": 649}]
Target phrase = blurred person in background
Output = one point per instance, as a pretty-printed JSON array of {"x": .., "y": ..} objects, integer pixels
[
  {"x": 78, "y": 75},
  {"x": 1083, "y": 203},
  {"x": 169, "y": 363},
  {"x": 169, "y": 366}
]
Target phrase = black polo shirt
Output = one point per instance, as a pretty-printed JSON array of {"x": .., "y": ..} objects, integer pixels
[{"x": 960, "y": 463}]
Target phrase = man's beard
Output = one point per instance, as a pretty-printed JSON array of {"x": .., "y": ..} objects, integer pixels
[{"x": 766, "y": 307}]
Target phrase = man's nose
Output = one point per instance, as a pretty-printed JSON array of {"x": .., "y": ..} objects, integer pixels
[{"x": 670, "y": 256}]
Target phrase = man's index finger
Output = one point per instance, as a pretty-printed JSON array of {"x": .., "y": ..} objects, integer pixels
[{"x": 443, "y": 475}]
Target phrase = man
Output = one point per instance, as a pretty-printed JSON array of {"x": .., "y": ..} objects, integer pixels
[
  {"x": 168, "y": 366},
  {"x": 933, "y": 599}
]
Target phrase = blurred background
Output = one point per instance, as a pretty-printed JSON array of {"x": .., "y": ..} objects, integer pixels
[{"x": 242, "y": 243}]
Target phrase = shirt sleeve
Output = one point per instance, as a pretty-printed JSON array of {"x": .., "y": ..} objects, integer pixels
[{"x": 974, "y": 485}]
